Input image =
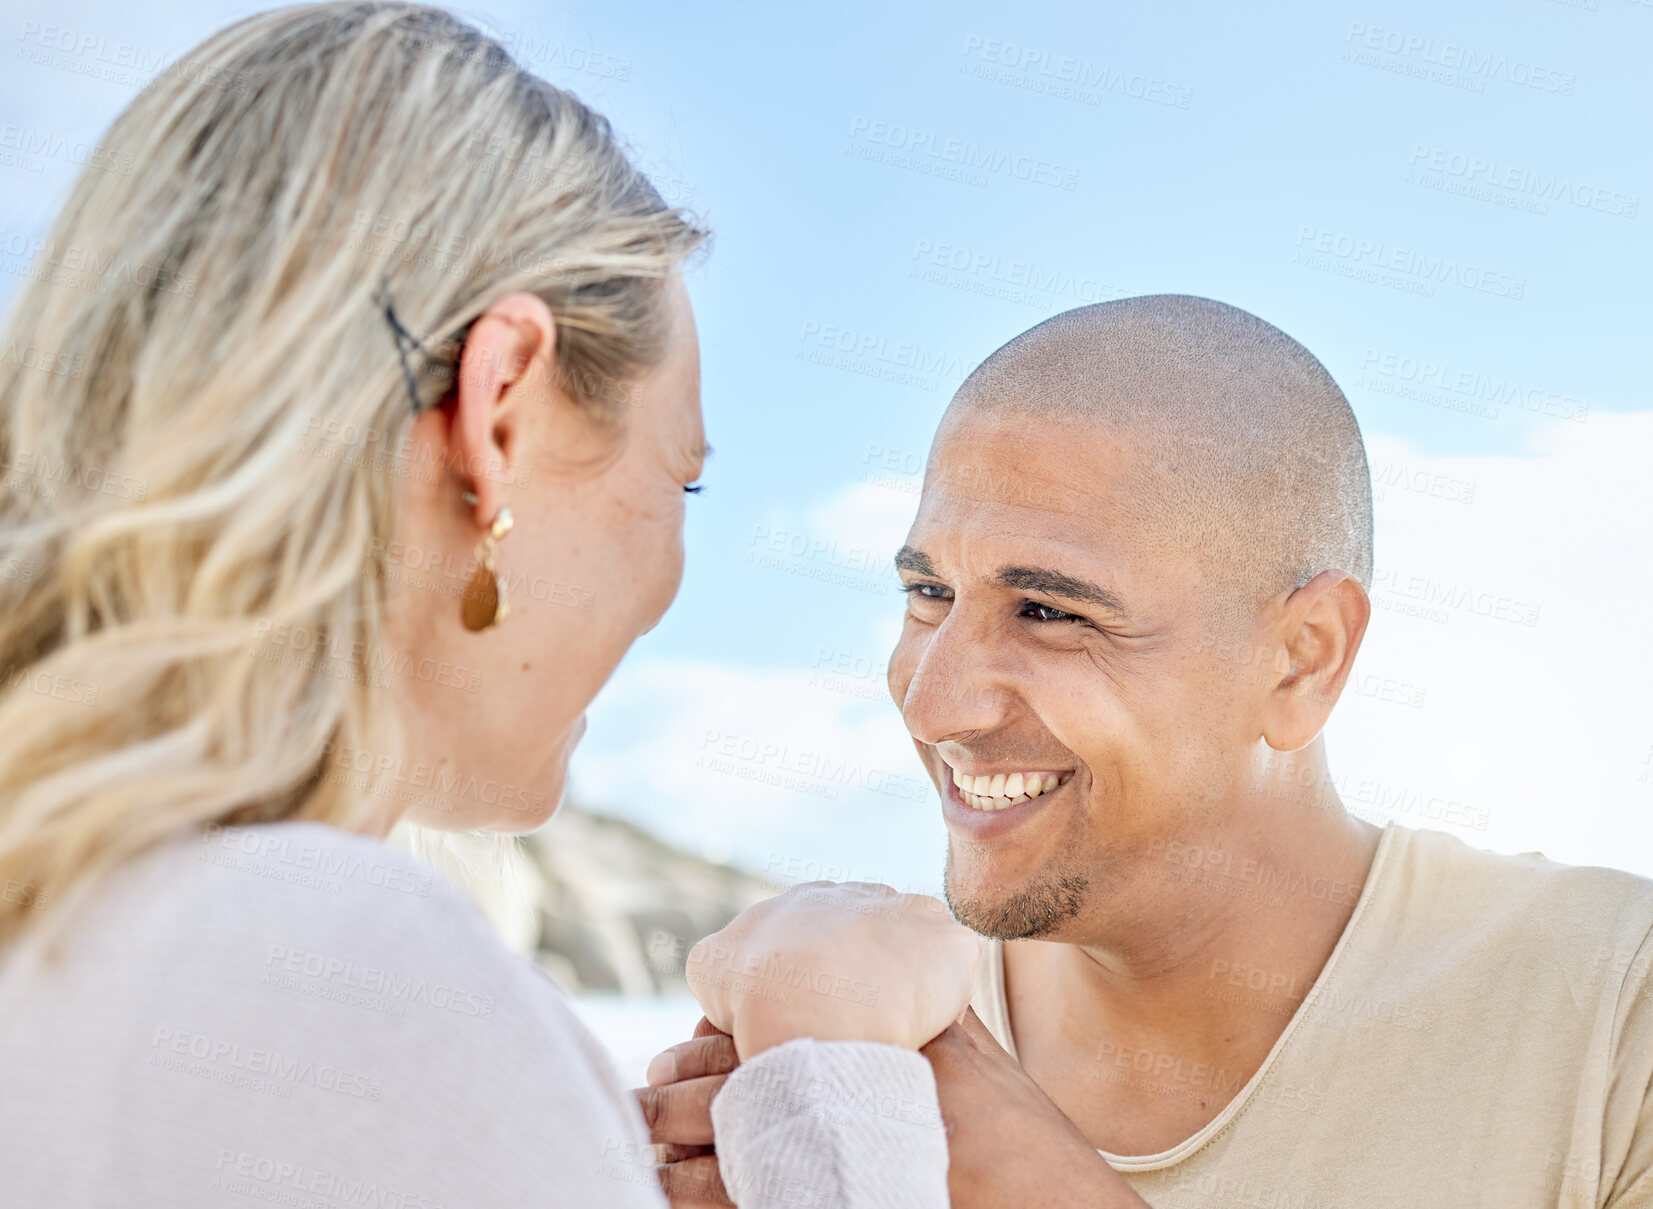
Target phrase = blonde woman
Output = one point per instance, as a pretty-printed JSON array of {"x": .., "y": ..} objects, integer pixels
[{"x": 358, "y": 462}]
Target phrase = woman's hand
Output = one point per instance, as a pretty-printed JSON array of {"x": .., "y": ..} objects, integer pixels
[
  {"x": 1009, "y": 1145},
  {"x": 850, "y": 961}
]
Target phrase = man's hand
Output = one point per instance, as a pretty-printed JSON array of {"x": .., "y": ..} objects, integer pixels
[
  {"x": 1010, "y": 1145},
  {"x": 677, "y": 1104},
  {"x": 837, "y": 962}
]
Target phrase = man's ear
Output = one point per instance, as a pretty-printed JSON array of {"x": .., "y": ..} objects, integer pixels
[
  {"x": 1320, "y": 628},
  {"x": 508, "y": 357}
]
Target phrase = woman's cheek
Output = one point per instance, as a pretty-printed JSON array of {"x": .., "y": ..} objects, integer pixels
[{"x": 668, "y": 562}]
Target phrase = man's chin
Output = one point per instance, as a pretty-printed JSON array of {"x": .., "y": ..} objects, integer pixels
[{"x": 1036, "y": 909}]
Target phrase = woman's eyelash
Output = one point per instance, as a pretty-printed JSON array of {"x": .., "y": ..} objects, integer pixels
[{"x": 694, "y": 488}]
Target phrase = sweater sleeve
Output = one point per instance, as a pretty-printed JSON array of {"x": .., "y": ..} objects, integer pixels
[{"x": 835, "y": 1124}]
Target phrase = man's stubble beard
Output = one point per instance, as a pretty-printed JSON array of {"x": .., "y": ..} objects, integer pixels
[{"x": 1035, "y": 911}]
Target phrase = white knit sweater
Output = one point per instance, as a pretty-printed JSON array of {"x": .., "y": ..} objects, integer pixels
[{"x": 293, "y": 1015}]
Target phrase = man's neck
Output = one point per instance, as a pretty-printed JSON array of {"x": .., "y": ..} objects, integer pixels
[{"x": 1142, "y": 1039}]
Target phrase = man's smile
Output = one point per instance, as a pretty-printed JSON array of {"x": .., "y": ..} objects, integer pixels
[
  {"x": 990, "y": 811},
  {"x": 997, "y": 790}
]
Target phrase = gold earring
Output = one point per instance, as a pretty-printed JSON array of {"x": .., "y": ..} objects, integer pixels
[{"x": 484, "y": 604}]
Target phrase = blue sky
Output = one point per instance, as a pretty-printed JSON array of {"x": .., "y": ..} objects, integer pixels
[{"x": 1447, "y": 203}]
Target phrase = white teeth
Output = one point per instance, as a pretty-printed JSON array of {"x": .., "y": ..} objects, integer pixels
[{"x": 1005, "y": 789}]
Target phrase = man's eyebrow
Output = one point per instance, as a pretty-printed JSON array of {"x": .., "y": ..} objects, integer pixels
[
  {"x": 916, "y": 561},
  {"x": 1055, "y": 583}
]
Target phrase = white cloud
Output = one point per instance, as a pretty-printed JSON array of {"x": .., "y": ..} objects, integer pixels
[
  {"x": 1547, "y": 726},
  {"x": 874, "y": 515}
]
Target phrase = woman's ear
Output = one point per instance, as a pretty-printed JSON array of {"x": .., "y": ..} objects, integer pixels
[{"x": 509, "y": 357}]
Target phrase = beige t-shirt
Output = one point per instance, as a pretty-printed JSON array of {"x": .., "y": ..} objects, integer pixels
[{"x": 1481, "y": 1035}]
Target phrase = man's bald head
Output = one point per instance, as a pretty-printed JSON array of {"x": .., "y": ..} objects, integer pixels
[{"x": 1248, "y": 455}]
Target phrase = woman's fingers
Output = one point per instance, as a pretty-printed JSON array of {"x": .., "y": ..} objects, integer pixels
[{"x": 694, "y": 1184}]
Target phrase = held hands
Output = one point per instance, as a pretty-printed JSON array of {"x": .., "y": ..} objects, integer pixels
[
  {"x": 1009, "y": 1145},
  {"x": 850, "y": 961},
  {"x": 834, "y": 962}
]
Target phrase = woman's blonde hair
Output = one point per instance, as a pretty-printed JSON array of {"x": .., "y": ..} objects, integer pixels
[{"x": 203, "y": 408}]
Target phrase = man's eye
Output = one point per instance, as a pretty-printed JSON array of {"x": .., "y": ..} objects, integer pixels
[
  {"x": 1043, "y": 612},
  {"x": 927, "y": 591},
  {"x": 693, "y": 488}
]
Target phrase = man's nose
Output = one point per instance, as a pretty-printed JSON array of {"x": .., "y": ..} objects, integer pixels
[{"x": 957, "y": 688}]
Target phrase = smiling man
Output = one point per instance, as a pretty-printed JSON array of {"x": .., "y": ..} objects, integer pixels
[{"x": 1136, "y": 586}]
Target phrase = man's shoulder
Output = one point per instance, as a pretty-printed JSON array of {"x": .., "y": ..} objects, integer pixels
[
  {"x": 1447, "y": 862},
  {"x": 1587, "y": 918}
]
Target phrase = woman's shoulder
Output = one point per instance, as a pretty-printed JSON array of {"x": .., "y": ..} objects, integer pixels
[
  {"x": 295, "y": 911},
  {"x": 272, "y": 889},
  {"x": 284, "y": 922},
  {"x": 307, "y": 870},
  {"x": 315, "y": 992}
]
